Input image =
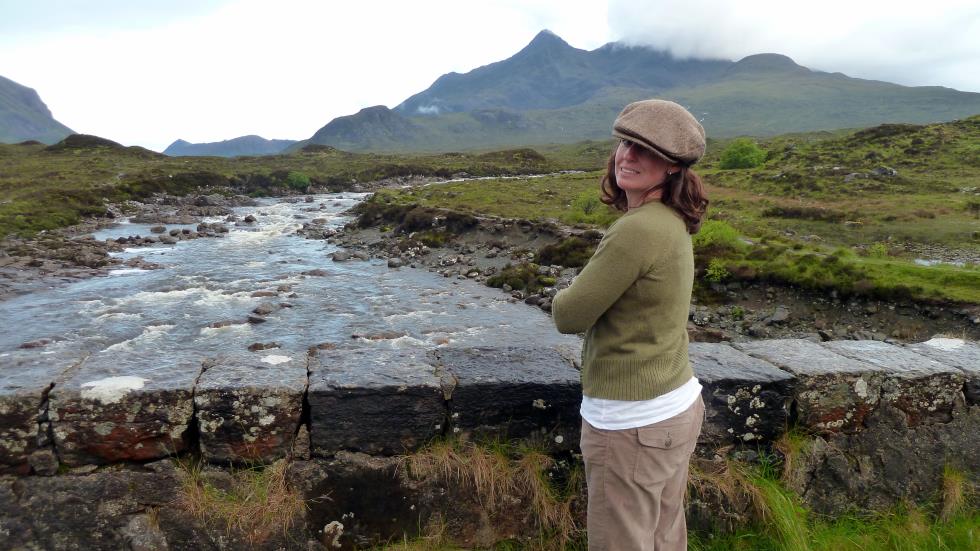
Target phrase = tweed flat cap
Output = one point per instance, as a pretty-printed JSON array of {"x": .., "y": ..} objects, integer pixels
[{"x": 663, "y": 127}]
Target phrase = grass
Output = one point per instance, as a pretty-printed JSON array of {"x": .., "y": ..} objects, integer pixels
[
  {"x": 44, "y": 188},
  {"x": 496, "y": 473},
  {"x": 823, "y": 212},
  {"x": 569, "y": 198},
  {"x": 777, "y": 519},
  {"x": 783, "y": 221},
  {"x": 257, "y": 505},
  {"x": 907, "y": 528}
]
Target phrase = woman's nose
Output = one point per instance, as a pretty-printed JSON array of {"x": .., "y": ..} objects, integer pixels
[{"x": 629, "y": 150}]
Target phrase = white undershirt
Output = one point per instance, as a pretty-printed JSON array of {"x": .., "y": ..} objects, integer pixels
[{"x": 629, "y": 414}]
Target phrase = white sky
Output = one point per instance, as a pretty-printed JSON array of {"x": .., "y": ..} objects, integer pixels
[{"x": 144, "y": 72}]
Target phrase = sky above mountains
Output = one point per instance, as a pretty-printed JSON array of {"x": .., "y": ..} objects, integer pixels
[{"x": 147, "y": 73}]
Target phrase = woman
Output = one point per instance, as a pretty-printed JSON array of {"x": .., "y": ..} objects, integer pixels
[{"x": 641, "y": 406}]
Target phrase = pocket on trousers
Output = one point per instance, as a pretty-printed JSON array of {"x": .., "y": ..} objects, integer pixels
[
  {"x": 662, "y": 451},
  {"x": 594, "y": 444}
]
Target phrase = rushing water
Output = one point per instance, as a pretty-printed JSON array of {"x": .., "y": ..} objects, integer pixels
[{"x": 208, "y": 280}]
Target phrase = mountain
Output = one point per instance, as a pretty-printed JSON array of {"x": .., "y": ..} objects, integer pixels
[
  {"x": 23, "y": 116},
  {"x": 244, "y": 145},
  {"x": 551, "y": 92}
]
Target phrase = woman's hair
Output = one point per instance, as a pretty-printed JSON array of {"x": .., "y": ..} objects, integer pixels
[{"x": 682, "y": 191}]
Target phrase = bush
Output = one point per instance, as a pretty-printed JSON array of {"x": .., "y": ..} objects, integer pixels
[
  {"x": 522, "y": 277},
  {"x": 297, "y": 180},
  {"x": 878, "y": 250},
  {"x": 716, "y": 272},
  {"x": 717, "y": 237},
  {"x": 742, "y": 153},
  {"x": 571, "y": 253}
]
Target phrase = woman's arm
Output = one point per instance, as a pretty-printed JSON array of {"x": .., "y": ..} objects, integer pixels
[{"x": 621, "y": 258}]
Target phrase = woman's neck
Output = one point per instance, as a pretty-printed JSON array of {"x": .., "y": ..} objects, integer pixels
[{"x": 636, "y": 200}]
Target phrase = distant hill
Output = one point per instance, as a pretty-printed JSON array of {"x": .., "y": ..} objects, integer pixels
[
  {"x": 550, "y": 92},
  {"x": 244, "y": 145},
  {"x": 85, "y": 142},
  {"x": 23, "y": 116}
]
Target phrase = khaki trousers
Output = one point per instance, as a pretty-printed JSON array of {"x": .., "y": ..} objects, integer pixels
[{"x": 637, "y": 479}]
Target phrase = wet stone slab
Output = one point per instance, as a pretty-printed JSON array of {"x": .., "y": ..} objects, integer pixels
[
  {"x": 121, "y": 405},
  {"x": 373, "y": 399},
  {"x": 248, "y": 405},
  {"x": 961, "y": 354},
  {"x": 833, "y": 393},
  {"x": 512, "y": 393},
  {"x": 746, "y": 398},
  {"x": 922, "y": 387},
  {"x": 26, "y": 377}
]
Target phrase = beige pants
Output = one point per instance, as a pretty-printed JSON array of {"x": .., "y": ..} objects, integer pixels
[{"x": 637, "y": 479}]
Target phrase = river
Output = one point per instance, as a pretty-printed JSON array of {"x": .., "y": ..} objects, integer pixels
[{"x": 207, "y": 281}]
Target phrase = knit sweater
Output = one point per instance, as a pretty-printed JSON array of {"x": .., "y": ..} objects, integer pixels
[{"x": 632, "y": 301}]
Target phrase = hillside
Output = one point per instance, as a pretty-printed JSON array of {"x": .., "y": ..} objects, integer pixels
[
  {"x": 23, "y": 116},
  {"x": 236, "y": 147},
  {"x": 889, "y": 212},
  {"x": 550, "y": 92}
]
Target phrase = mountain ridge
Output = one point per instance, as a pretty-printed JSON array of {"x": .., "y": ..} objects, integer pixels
[
  {"x": 24, "y": 117},
  {"x": 551, "y": 92},
  {"x": 234, "y": 147}
]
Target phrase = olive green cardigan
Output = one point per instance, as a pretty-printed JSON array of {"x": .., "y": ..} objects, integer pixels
[{"x": 632, "y": 299}]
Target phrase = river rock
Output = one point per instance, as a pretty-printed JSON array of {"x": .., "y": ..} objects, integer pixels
[
  {"x": 833, "y": 392},
  {"x": 374, "y": 400},
  {"x": 961, "y": 354},
  {"x": 124, "y": 405},
  {"x": 26, "y": 377},
  {"x": 84, "y": 512},
  {"x": 888, "y": 463},
  {"x": 746, "y": 399},
  {"x": 919, "y": 386},
  {"x": 248, "y": 406},
  {"x": 264, "y": 309},
  {"x": 512, "y": 393}
]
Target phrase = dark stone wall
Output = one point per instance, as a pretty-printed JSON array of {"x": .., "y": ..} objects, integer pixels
[{"x": 83, "y": 457}]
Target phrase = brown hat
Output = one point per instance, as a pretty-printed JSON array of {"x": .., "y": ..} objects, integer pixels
[{"x": 663, "y": 127}]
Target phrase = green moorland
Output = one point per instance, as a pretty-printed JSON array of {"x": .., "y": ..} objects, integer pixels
[
  {"x": 47, "y": 187},
  {"x": 843, "y": 210},
  {"x": 847, "y": 210}
]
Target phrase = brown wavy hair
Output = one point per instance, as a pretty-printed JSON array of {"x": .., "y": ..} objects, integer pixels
[{"x": 683, "y": 191}]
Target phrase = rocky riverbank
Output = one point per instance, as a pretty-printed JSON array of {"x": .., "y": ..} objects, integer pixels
[
  {"x": 737, "y": 311},
  {"x": 70, "y": 254}
]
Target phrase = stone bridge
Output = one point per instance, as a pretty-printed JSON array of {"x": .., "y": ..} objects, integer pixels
[{"x": 887, "y": 417}]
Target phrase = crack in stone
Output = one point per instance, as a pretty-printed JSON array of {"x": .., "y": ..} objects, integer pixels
[
  {"x": 193, "y": 430},
  {"x": 447, "y": 384}
]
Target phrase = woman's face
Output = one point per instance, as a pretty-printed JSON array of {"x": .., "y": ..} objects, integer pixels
[{"x": 637, "y": 169}]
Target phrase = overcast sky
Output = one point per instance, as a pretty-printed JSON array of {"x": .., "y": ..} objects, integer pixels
[{"x": 147, "y": 72}]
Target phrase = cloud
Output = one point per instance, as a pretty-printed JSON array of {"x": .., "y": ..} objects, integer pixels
[
  {"x": 280, "y": 70},
  {"x": 935, "y": 43}
]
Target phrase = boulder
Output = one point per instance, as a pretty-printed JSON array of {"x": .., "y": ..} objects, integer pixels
[
  {"x": 112, "y": 408},
  {"x": 961, "y": 354},
  {"x": 373, "y": 400},
  {"x": 26, "y": 377},
  {"x": 923, "y": 388},
  {"x": 746, "y": 399},
  {"x": 833, "y": 392},
  {"x": 512, "y": 393},
  {"x": 248, "y": 406}
]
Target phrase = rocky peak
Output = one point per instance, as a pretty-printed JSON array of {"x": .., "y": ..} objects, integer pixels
[{"x": 759, "y": 63}]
